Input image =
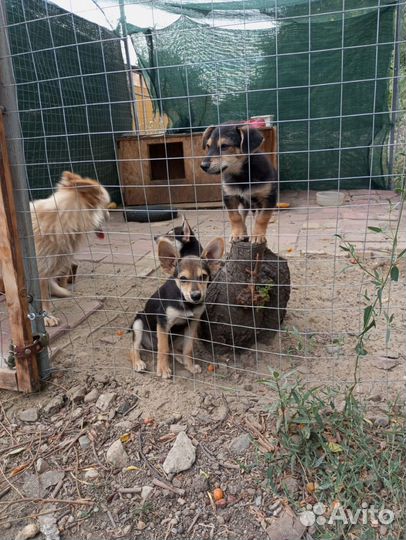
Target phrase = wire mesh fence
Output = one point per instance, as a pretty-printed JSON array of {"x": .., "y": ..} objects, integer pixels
[{"x": 324, "y": 86}]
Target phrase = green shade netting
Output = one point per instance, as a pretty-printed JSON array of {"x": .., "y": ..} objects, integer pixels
[
  {"x": 72, "y": 93},
  {"x": 325, "y": 77}
]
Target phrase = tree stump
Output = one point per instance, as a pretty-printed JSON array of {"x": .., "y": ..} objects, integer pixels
[{"x": 246, "y": 300}]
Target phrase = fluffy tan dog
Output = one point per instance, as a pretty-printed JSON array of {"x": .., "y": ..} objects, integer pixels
[{"x": 60, "y": 224}]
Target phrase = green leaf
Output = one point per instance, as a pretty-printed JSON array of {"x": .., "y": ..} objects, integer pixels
[
  {"x": 360, "y": 350},
  {"x": 394, "y": 273},
  {"x": 375, "y": 229},
  {"x": 367, "y": 315},
  {"x": 334, "y": 447}
]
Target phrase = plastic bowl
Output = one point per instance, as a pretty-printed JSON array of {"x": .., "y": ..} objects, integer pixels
[
  {"x": 148, "y": 214},
  {"x": 330, "y": 198}
]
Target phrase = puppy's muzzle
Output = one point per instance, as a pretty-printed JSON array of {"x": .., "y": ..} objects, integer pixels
[
  {"x": 196, "y": 296},
  {"x": 205, "y": 165}
]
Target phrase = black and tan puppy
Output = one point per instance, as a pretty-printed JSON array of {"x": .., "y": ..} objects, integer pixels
[
  {"x": 173, "y": 312},
  {"x": 248, "y": 177},
  {"x": 184, "y": 239}
]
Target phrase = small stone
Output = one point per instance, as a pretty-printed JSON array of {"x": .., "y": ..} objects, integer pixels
[
  {"x": 105, "y": 400},
  {"x": 375, "y": 398},
  {"x": 77, "y": 394},
  {"x": 141, "y": 525},
  {"x": 221, "y": 503},
  {"x": 258, "y": 500},
  {"x": 29, "y": 415},
  {"x": 84, "y": 442},
  {"x": 200, "y": 484},
  {"x": 177, "y": 428},
  {"x": 41, "y": 465},
  {"x": 181, "y": 501},
  {"x": 181, "y": 456},
  {"x": 29, "y": 531},
  {"x": 220, "y": 413},
  {"x": 48, "y": 526},
  {"x": 291, "y": 485},
  {"x": 54, "y": 405},
  {"x": 117, "y": 456},
  {"x": 51, "y": 478},
  {"x": 240, "y": 444},
  {"x": 91, "y": 396},
  {"x": 287, "y": 526},
  {"x": 382, "y": 421},
  {"x": 146, "y": 492},
  {"x": 91, "y": 474}
]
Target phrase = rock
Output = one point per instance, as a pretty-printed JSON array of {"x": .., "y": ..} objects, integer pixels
[
  {"x": 375, "y": 398},
  {"x": 49, "y": 527},
  {"x": 181, "y": 456},
  {"x": 91, "y": 396},
  {"x": 84, "y": 442},
  {"x": 91, "y": 474},
  {"x": 200, "y": 484},
  {"x": 32, "y": 487},
  {"x": 50, "y": 478},
  {"x": 177, "y": 428},
  {"x": 105, "y": 400},
  {"x": 116, "y": 455},
  {"x": 41, "y": 466},
  {"x": 381, "y": 421},
  {"x": 77, "y": 394},
  {"x": 127, "y": 405},
  {"x": 286, "y": 526},
  {"x": 146, "y": 492},
  {"x": 141, "y": 525},
  {"x": 220, "y": 413},
  {"x": 54, "y": 405},
  {"x": 240, "y": 444},
  {"x": 29, "y": 531},
  {"x": 291, "y": 485},
  {"x": 28, "y": 415}
]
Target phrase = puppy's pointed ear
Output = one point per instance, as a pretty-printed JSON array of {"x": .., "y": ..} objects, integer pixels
[
  {"x": 168, "y": 256},
  {"x": 206, "y": 136},
  {"x": 213, "y": 252},
  {"x": 187, "y": 230},
  {"x": 251, "y": 139}
]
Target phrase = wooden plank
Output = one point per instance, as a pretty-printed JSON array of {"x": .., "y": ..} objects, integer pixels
[
  {"x": 8, "y": 379},
  {"x": 13, "y": 274}
]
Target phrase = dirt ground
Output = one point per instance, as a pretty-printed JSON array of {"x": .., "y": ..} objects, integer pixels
[
  {"x": 55, "y": 447},
  {"x": 219, "y": 411}
]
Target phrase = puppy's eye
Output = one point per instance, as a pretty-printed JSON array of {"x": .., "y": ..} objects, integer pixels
[
  {"x": 224, "y": 146},
  {"x": 183, "y": 278},
  {"x": 203, "y": 277}
]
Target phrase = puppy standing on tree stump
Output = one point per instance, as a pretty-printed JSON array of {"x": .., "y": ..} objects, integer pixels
[
  {"x": 250, "y": 293},
  {"x": 249, "y": 179}
]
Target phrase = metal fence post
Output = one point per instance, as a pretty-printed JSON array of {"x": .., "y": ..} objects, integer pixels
[{"x": 8, "y": 100}]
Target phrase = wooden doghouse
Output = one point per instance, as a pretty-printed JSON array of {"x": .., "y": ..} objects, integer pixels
[{"x": 165, "y": 169}]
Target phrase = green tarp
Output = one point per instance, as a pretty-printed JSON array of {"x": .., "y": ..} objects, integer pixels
[
  {"x": 72, "y": 93},
  {"x": 325, "y": 77}
]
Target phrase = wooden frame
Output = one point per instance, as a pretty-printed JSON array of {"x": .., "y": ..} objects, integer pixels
[
  {"x": 196, "y": 187},
  {"x": 26, "y": 378}
]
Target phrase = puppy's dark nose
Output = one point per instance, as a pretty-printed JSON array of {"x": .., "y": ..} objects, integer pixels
[
  {"x": 196, "y": 296},
  {"x": 205, "y": 165}
]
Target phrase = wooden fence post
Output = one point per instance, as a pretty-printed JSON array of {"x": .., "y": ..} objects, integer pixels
[{"x": 11, "y": 260}]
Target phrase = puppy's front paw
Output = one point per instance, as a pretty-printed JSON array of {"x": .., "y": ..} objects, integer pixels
[
  {"x": 194, "y": 368},
  {"x": 259, "y": 239},
  {"x": 137, "y": 363},
  {"x": 50, "y": 320},
  {"x": 164, "y": 371},
  {"x": 238, "y": 237}
]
